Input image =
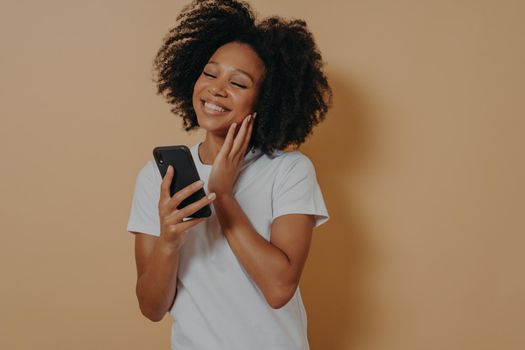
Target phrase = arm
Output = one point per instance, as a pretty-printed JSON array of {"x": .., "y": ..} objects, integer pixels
[
  {"x": 157, "y": 258},
  {"x": 275, "y": 266},
  {"x": 157, "y": 265}
]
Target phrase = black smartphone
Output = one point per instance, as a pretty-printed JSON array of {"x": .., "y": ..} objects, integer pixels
[{"x": 179, "y": 157}]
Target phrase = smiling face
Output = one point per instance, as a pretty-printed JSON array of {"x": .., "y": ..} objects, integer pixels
[{"x": 228, "y": 87}]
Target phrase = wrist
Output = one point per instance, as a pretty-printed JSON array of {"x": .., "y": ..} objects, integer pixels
[
  {"x": 170, "y": 247},
  {"x": 223, "y": 191},
  {"x": 224, "y": 197}
]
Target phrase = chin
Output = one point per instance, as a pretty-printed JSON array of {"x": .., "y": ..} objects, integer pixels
[{"x": 213, "y": 126}]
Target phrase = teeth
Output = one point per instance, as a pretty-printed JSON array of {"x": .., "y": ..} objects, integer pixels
[{"x": 214, "y": 107}]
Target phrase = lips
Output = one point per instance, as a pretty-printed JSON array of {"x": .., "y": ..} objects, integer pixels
[{"x": 213, "y": 107}]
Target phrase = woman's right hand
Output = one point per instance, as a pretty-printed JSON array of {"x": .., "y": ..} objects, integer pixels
[{"x": 173, "y": 230}]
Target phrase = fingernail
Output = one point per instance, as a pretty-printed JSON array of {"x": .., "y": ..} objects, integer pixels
[
  {"x": 249, "y": 118},
  {"x": 200, "y": 183},
  {"x": 254, "y": 115},
  {"x": 212, "y": 196}
]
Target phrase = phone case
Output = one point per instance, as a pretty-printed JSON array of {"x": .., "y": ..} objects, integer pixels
[{"x": 185, "y": 174}]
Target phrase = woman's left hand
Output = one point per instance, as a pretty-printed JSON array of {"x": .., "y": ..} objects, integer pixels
[{"x": 229, "y": 160}]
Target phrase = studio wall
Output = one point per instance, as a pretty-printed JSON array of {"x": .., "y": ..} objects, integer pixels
[{"x": 420, "y": 161}]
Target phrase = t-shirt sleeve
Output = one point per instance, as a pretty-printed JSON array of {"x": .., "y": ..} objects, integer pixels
[
  {"x": 144, "y": 215},
  {"x": 296, "y": 191}
]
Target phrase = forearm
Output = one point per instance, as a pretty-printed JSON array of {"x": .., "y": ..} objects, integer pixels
[
  {"x": 268, "y": 265},
  {"x": 156, "y": 287}
]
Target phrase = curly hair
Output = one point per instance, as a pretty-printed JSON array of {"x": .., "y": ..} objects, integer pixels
[{"x": 294, "y": 95}]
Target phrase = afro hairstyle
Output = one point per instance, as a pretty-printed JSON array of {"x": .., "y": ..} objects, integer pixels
[{"x": 294, "y": 95}]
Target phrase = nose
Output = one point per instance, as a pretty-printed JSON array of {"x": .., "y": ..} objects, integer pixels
[{"x": 217, "y": 89}]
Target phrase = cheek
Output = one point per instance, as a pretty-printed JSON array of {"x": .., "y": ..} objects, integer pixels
[
  {"x": 246, "y": 101},
  {"x": 197, "y": 86},
  {"x": 196, "y": 93}
]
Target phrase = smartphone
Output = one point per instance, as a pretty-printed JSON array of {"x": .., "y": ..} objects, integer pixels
[{"x": 179, "y": 157}]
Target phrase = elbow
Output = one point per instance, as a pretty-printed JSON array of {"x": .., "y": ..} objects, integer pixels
[
  {"x": 155, "y": 318},
  {"x": 149, "y": 310},
  {"x": 277, "y": 304},
  {"x": 151, "y": 314},
  {"x": 280, "y": 296}
]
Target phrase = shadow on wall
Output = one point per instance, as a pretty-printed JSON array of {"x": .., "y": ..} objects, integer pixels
[{"x": 340, "y": 311}]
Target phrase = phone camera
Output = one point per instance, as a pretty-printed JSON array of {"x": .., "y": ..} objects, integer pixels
[{"x": 159, "y": 158}]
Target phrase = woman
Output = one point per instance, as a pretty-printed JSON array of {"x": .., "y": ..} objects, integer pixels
[{"x": 230, "y": 281}]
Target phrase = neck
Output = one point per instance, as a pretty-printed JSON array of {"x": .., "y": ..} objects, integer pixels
[{"x": 210, "y": 147}]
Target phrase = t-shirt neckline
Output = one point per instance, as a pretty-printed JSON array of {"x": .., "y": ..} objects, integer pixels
[
  {"x": 198, "y": 157},
  {"x": 252, "y": 154}
]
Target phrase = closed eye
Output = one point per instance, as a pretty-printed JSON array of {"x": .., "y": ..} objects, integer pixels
[
  {"x": 208, "y": 75},
  {"x": 239, "y": 85}
]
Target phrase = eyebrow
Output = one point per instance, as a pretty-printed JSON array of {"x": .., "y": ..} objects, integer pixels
[{"x": 235, "y": 69}]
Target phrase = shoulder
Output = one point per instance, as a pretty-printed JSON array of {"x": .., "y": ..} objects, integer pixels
[
  {"x": 292, "y": 166},
  {"x": 149, "y": 174},
  {"x": 292, "y": 160}
]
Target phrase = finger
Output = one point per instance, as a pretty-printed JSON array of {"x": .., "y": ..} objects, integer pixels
[
  {"x": 194, "y": 207},
  {"x": 228, "y": 141},
  {"x": 248, "y": 136},
  {"x": 183, "y": 194},
  {"x": 239, "y": 139},
  {"x": 186, "y": 225},
  {"x": 165, "y": 185}
]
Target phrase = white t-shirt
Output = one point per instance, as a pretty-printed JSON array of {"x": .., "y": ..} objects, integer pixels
[{"x": 218, "y": 305}]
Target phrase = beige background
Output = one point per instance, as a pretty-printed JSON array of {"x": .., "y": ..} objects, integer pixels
[{"x": 420, "y": 161}]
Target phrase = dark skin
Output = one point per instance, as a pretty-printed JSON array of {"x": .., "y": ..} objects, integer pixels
[{"x": 224, "y": 96}]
